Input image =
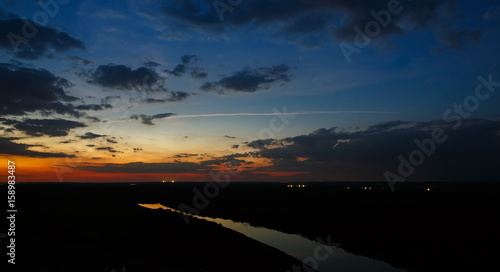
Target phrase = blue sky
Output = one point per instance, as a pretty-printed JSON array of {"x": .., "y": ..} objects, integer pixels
[{"x": 264, "y": 55}]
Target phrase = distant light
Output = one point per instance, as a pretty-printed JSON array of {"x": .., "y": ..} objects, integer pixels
[
  {"x": 173, "y": 181},
  {"x": 365, "y": 188},
  {"x": 163, "y": 181},
  {"x": 428, "y": 189},
  {"x": 369, "y": 188},
  {"x": 347, "y": 187}
]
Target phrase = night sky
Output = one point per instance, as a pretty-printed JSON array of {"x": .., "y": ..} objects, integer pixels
[{"x": 297, "y": 90}]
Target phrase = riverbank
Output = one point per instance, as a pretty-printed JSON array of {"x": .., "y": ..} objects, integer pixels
[{"x": 70, "y": 227}]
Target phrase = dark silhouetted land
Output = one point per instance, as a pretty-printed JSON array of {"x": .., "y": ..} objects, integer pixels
[{"x": 98, "y": 227}]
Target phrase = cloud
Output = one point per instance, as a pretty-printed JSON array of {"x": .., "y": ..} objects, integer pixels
[
  {"x": 174, "y": 97},
  {"x": 94, "y": 107},
  {"x": 111, "y": 141},
  {"x": 125, "y": 78},
  {"x": 184, "y": 67},
  {"x": 251, "y": 80},
  {"x": 93, "y": 118},
  {"x": 455, "y": 38},
  {"x": 49, "y": 127},
  {"x": 151, "y": 64},
  {"x": 29, "y": 90},
  {"x": 184, "y": 155},
  {"x": 39, "y": 42},
  {"x": 308, "y": 23},
  {"x": 90, "y": 135},
  {"x": 199, "y": 73},
  {"x": 389, "y": 125},
  {"x": 178, "y": 71},
  {"x": 492, "y": 14},
  {"x": 209, "y": 86},
  {"x": 147, "y": 119},
  {"x": 141, "y": 167},
  {"x": 108, "y": 148},
  {"x": 230, "y": 137},
  {"x": 188, "y": 59},
  {"x": 80, "y": 60},
  {"x": 8, "y": 147},
  {"x": 169, "y": 167},
  {"x": 469, "y": 153}
]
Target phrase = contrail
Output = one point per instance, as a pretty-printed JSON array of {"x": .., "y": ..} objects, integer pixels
[
  {"x": 272, "y": 113},
  {"x": 277, "y": 113}
]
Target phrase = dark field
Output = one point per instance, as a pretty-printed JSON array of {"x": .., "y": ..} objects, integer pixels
[{"x": 100, "y": 227}]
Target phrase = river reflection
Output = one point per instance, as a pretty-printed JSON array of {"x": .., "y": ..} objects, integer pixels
[{"x": 299, "y": 247}]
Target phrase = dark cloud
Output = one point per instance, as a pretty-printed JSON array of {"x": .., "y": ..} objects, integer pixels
[
  {"x": 125, "y": 78},
  {"x": 178, "y": 71},
  {"x": 90, "y": 135},
  {"x": 261, "y": 143},
  {"x": 310, "y": 23},
  {"x": 235, "y": 146},
  {"x": 469, "y": 153},
  {"x": 28, "y": 90},
  {"x": 39, "y": 41},
  {"x": 154, "y": 100},
  {"x": 8, "y": 147},
  {"x": 109, "y": 149},
  {"x": 174, "y": 97},
  {"x": 455, "y": 38},
  {"x": 184, "y": 155},
  {"x": 177, "y": 96},
  {"x": 94, "y": 107},
  {"x": 251, "y": 80},
  {"x": 8, "y": 122},
  {"x": 199, "y": 73},
  {"x": 67, "y": 141},
  {"x": 151, "y": 64},
  {"x": 93, "y": 118},
  {"x": 492, "y": 14},
  {"x": 141, "y": 167},
  {"x": 389, "y": 125},
  {"x": 209, "y": 86},
  {"x": 111, "y": 141},
  {"x": 147, "y": 119},
  {"x": 79, "y": 60},
  {"x": 189, "y": 59},
  {"x": 40, "y": 127},
  {"x": 169, "y": 167},
  {"x": 185, "y": 66},
  {"x": 230, "y": 137}
]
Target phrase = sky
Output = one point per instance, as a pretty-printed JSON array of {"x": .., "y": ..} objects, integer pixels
[{"x": 195, "y": 90}]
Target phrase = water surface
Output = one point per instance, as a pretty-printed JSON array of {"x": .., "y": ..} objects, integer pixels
[{"x": 322, "y": 257}]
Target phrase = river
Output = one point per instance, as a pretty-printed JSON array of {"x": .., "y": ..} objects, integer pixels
[{"x": 323, "y": 258}]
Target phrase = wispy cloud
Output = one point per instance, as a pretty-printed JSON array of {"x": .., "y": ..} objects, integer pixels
[
  {"x": 272, "y": 113},
  {"x": 262, "y": 114}
]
